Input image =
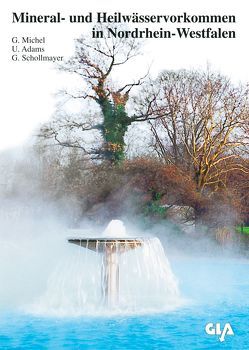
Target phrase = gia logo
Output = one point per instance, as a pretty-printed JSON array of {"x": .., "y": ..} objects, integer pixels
[{"x": 215, "y": 329}]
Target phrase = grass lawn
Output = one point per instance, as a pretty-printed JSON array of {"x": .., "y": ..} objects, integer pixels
[{"x": 244, "y": 230}]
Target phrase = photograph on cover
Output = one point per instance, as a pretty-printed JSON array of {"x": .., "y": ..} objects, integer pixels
[{"x": 124, "y": 172}]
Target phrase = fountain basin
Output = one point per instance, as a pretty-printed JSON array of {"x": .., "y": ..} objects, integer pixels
[{"x": 100, "y": 245}]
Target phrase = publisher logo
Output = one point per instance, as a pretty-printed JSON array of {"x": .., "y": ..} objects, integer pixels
[{"x": 215, "y": 329}]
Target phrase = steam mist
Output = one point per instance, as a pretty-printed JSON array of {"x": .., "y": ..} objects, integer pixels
[{"x": 42, "y": 274}]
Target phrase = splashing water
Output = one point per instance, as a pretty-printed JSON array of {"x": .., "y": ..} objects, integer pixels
[
  {"x": 115, "y": 228},
  {"x": 147, "y": 283}
]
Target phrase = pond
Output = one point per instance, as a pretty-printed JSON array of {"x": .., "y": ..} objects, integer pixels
[{"x": 215, "y": 291}]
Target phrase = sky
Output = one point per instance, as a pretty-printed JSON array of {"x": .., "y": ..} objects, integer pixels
[{"x": 28, "y": 89}]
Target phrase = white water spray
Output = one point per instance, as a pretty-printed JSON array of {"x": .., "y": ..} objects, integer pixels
[
  {"x": 146, "y": 281},
  {"x": 115, "y": 228}
]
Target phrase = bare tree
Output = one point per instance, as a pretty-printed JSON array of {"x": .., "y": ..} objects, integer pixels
[
  {"x": 202, "y": 127},
  {"x": 94, "y": 62}
]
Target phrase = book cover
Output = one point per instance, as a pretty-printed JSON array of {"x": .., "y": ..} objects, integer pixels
[{"x": 124, "y": 215}]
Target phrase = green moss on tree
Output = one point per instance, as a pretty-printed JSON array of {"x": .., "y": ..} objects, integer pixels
[{"x": 115, "y": 125}]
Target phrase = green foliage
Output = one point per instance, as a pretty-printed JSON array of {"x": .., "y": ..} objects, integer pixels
[
  {"x": 243, "y": 229},
  {"x": 116, "y": 123},
  {"x": 154, "y": 207}
]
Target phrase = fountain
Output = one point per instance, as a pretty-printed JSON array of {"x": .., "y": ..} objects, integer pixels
[
  {"x": 111, "y": 273},
  {"x": 110, "y": 248}
]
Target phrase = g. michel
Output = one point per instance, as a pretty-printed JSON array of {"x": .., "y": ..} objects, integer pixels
[
  {"x": 29, "y": 40},
  {"x": 33, "y": 40}
]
